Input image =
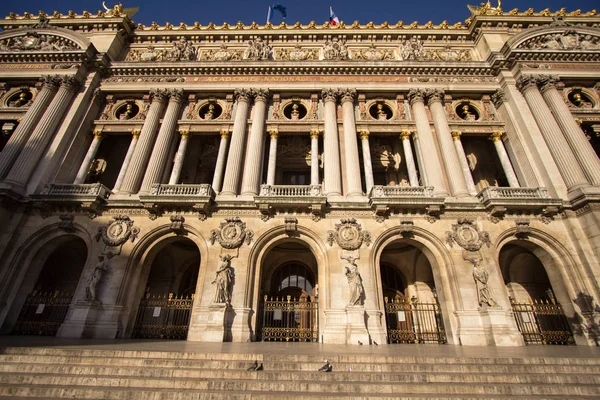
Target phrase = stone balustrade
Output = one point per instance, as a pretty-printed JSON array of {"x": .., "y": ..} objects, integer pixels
[
  {"x": 91, "y": 189},
  {"x": 182, "y": 190},
  {"x": 291, "y": 190},
  {"x": 401, "y": 191},
  {"x": 493, "y": 192}
]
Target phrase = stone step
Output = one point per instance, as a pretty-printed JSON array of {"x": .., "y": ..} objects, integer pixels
[{"x": 583, "y": 377}]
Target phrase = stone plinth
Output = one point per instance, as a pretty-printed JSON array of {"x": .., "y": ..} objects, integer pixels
[
  {"x": 90, "y": 320},
  {"x": 500, "y": 327},
  {"x": 213, "y": 329},
  {"x": 356, "y": 328}
]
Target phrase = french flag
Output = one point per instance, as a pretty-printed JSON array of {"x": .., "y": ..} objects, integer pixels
[{"x": 333, "y": 20}]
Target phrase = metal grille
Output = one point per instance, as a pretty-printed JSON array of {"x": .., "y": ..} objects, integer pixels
[
  {"x": 409, "y": 321},
  {"x": 162, "y": 316},
  {"x": 290, "y": 320},
  {"x": 542, "y": 322},
  {"x": 43, "y": 313}
]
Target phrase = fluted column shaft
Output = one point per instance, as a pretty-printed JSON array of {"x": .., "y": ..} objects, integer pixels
[
  {"x": 432, "y": 170},
  {"x": 565, "y": 160},
  {"x": 333, "y": 174},
  {"x": 505, "y": 160},
  {"x": 410, "y": 161},
  {"x": 141, "y": 154},
  {"x": 160, "y": 152},
  {"x": 458, "y": 186},
  {"x": 238, "y": 142},
  {"x": 17, "y": 140},
  {"x": 42, "y": 134},
  {"x": 89, "y": 157},
  {"x": 585, "y": 154},
  {"x": 252, "y": 166},
  {"x": 464, "y": 164},
  {"x": 314, "y": 157},
  {"x": 220, "y": 165},
  {"x": 179, "y": 157},
  {"x": 351, "y": 161},
  {"x": 135, "y": 135},
  {"x": 272, "y": 157},
  {"x": 368, "y": 164}
]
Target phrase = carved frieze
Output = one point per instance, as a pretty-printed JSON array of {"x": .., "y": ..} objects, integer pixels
[
  {"x": 448, "y": 54},
  {"x": 349, "y": 235},
  {"x": 335, "y": 49},
  {"x": 412, "y": 49},
  {"x": 34, "y": 41},
  {"x": 298, "y": 53},
  {"x": 181, "y": 50},
  {"x": 467, "y": 235},
  {"x": 221, "y": 54},
  {"x": 567, "y": 40},
  {"x": 257, "y": 49},
  {"x": 118, "y": 231},
  {"x": 231, "y": 233},
  {"x": 373, "y": 54}
]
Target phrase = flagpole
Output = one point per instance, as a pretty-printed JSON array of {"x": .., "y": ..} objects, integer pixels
[{"x": 269, "y": 15}]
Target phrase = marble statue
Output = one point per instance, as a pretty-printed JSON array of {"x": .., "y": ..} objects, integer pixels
[
  {"x": 481, "y": 276},
  {"x": 357, "y": 291},
  {"x": 224, "y": 281},
  {"x": 95, "y": 276}
]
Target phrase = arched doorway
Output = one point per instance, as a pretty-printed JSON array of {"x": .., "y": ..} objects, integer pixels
[
  {"x": 47, "y": 302},
  {"x": 539, "y": 315},
  {"x": 165, "y": 307},
  {"x": 411, "y": 305},
  {"x": 289, "y": 295}
]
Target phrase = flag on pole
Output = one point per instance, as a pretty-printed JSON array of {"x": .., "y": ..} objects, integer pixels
[
  {"x": 333, "y": 19},
  {"x": 276, "y": 7}
]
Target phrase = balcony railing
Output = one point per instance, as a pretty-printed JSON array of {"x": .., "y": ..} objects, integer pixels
[
  {"x": 401, "y": 191},
  {"x": 290, "y": 191},
  {"x": 493, "y": 192},
  {"x": 67, "y": 190},
  {"x": 202, "y": 190}
]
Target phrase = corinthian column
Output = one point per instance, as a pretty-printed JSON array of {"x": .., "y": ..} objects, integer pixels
[
  {"x": 238, "y": 142},
  {"x": 314, "y": 157},
  {"x": 220, "y": 165},
  {"x": 333, "y": 174},
  {"x": 464, "y": 164},
  {"x": 179, "y": 157},
  {"x": 351, "y": 161},
  {"x": 254, "y": 154},
  {"x": 410, "y": 161},
  {"x": 135, "y": 135},
  {"x": 583, "y": 151},
  {"x": 160, "y": 152},
  {"x": 142, "y": 151},
  {"x": 42, "y": 134},
  {"x": 432, "y": 168},
  {"x": 559, "y": 148},
  {"x": 274, "y": 133},
  {"x": 17, "y": 140},
  {"x": 368, "y": 165},
  {"x": 458, "y": 186},
  {"x": 89, "y": 157},
  {"x": 505, "y": 160}
]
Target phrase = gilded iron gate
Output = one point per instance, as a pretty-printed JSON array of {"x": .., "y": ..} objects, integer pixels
[
  {"x": 162, "y": 316},
  {"x": 290, "y": 320},
  {"x": 542, "y": 322},
  {"x": 43, "y": 313},
  {"x": 410, "y": 321}
]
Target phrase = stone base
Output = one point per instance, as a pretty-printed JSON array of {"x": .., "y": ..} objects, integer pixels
[
  {"x": 375, "y": 322},
  {"x": 471, "y": 331},
  {"x": 501, "y": 328},
  {"x": 357, "y": 332},
  {"x": 90, "y": 320},
  {"x": 237, "y": 326},
  {"x": 335, "y": 327},
  {"x": 209, "y": 324}
]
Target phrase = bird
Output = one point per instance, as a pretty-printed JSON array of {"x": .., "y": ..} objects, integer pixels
[
  {"x": 375, "y": 343},
  {"x": 253, "y": 366},
  {"x": 360, "y": 343},
  {"x": 260, "y": 367},
  {"x": 326, "y": 368}
]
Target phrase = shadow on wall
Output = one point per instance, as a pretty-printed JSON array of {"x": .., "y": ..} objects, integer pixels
[{"x": 587, "y": 323}]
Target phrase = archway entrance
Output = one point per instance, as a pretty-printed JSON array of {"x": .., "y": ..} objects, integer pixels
[
  {"x": 411, "y": 305},
  {"x": 539, "y": 315},
  {"x": 289, "y": 295},
  {"x": 165, "y": 307},
  {"x": 46, "y": 305}
]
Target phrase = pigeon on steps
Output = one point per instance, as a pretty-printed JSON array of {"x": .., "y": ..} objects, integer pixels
[
  {"x": 260, "y": 367},
  {"x": 326, "y": 368},
  {"x": 254, "y": 366}
]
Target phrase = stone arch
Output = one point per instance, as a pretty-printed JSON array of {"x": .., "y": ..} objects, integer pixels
[
  {"x": 139, "y": 264},
  {"x": 442, "y": 267},
  {"x": 269, "y": 240},
  {"x": 33, "y": 253},
  {"x": 73, "y": 36}
]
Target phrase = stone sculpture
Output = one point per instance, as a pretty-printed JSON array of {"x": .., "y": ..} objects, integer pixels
[
  {"x": 481, "y": 276},
  {"x": 95, "y": 276},
  {"x": 357, "y": 290},
  {"x": 224, "y": 281}
]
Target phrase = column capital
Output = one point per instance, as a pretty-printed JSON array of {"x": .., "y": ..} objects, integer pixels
[
  {"x": 70, "y": 83},
  {"x": 525, "y": 82},
  {"x": 347, "y": 95},
  {"x": 99, "y": 94},
  {"x": 159, "y": 95},
  {"x": 98, "y": 134},
  {"x": 52, "y": 81},
  {"x": 314, "y": 133},
  {"x": 405, "y": 134},
  {"x": 175, "y": 95},
  {"x": 225, "y": 133},
  {"x": 547, "y": 82},
  {"x": 498, "y": 97},
  {"x": 274, "y": 133},
  {"x": 495, "y": 136},
  {"x": 456, "y": 135},
  {"x": 185, "y": 133},
  {"x": 243, "y": 95},
  {"x": 136, "y": 133},
  {"x": 416, "y": 95},
  {"x": 261, "y": 95},
  {"x": 434, "y": 95},
  {"x": 329, "y": 94},
  {"x": 364, "y": 134}
]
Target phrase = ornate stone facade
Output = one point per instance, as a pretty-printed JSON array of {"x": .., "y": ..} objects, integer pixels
[{"x": 349, "y": 170}]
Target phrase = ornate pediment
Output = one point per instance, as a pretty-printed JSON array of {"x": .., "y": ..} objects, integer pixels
[
  {"x": 567, "y": 40},
  {"x": 348, "y": 235},
  {"x": 34, "y": 41}
]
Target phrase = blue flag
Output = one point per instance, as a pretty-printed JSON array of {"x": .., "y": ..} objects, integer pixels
[{"x": 280, "y": 8}]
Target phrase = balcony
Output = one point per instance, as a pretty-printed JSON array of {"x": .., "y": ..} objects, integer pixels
[
  {"x": 384, "y": 198},
  {"x": 199, "y": 197},
  {"x": 87, "y": 196},
  {"x": 499, "y": 199},
  {"x": 295, "y": 196}
]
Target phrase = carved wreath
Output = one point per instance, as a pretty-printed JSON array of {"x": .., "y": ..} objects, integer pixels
[
  {"x": 467, "y": 236},
  {"x": 348, "y": 235},
  {"x": 232, "y": 233},
  {"x": 117, "y": 231}
]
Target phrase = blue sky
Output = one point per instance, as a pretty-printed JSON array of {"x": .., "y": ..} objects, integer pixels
[{"x": 304, "y": 11}]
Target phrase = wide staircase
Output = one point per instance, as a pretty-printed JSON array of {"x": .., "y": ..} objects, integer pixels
[{"x": 82, "y": 373}]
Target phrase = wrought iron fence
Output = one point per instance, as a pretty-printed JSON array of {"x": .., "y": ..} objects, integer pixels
[
  {"x": 542, "y": 322},
  {"x": 43, "y": 313},
  {"x": 290, "y": 320},
  {"x": 162, "y": 316},
  {"x": 410, "y": 321}
]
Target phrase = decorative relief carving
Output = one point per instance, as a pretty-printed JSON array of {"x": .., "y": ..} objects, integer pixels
[
  {"x": 297, "y": 54},
  {"x": 33, "y": 41},
  {"x": 348, "y": 235},
  {"x": 118, "y": 231},
  {"x": 523, "y": 229},
  {"x": 412, "y": 49},
  {"x": 467, "y": 235},
  {"x": 232, "y": 233},
  {"x": 291, "y": 225},
  {"x": 66, "y": 222},
  {"x": 567, "y": 40},
  {"x": 448, "y": 54},
  {"x": 498, "y": 97},
  {"x": 373, "y": 54},
  {"x": 181, "y": 50},
  {"x": 221, "y": 54},
  {"x": 177, "y": 223},
  {"x": 335, "y": 49},
  {"x": 257, "y": 50}
]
